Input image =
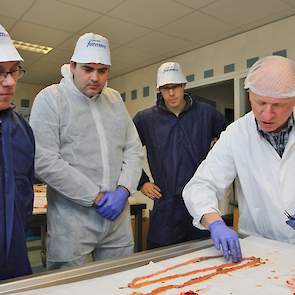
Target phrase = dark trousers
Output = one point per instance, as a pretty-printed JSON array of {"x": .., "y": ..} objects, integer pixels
[{"x": 171, "y": 223}]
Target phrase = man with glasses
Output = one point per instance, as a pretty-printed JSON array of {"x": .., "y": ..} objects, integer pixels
[
  {"x": 177, "y": 133},
  {"x": 17, "y": 150},
  {"x": 90, "y": 155}
]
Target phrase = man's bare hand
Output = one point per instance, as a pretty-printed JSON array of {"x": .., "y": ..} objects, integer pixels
[
  {"x": 151, "y": 190},
  {"x": 98, "y": 197}
]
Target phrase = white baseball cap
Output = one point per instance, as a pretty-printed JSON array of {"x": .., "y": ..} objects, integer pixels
[
  {"x": 8, "y": 51},
  {"x": 272, "y": 76},
  {"x": 92, "y": 48},
  {"x": 170, "y": 73}
]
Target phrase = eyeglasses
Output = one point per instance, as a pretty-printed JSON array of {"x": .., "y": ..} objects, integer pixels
[{"x": 15, "y": 74}]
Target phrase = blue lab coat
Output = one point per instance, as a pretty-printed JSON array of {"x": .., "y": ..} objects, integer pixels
[
  {"x": 17, "y": 149},
  {"x": 175, "y": 148}
]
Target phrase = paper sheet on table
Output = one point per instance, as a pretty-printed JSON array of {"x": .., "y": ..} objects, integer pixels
[{"x": 268, "y": 278}]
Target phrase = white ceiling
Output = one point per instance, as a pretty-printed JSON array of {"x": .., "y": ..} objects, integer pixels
[{"x": 141, "y": 32}]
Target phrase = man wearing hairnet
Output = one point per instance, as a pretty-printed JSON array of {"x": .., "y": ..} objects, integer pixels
[
  {"x": 17, "y": 150},
  {"x": 89, "y": 154},
  {"x": 177, "y": 133},
  {"x": 258, "y": 150}
]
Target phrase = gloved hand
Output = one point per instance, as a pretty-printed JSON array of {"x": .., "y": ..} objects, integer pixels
[
  {"x": 291, "y": 219},
  {"x": 291, "y": 222},
  {"x": 227, "y": 238},
  {"x": 113, "y": 203}
]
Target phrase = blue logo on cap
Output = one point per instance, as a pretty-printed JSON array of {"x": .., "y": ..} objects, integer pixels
[
  {"x": 2, "y": 34},
  {"x": 171, "y": 70},
  {"x": 96, "y": 43}
]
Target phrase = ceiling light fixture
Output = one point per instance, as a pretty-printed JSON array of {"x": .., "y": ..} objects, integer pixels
[{"x": 31, "y": 47}]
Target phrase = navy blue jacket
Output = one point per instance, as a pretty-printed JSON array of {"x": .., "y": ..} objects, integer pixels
[
  {"x": 175, "y": 148},
  {"x": 17, "y": 151}
]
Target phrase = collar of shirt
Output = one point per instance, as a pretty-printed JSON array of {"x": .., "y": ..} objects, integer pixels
[
  {"x": 278, "y": 140},
  {"x": 287, "y": 128}
]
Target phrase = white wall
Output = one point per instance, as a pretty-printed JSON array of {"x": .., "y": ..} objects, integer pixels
[
  {"x": 26, "y": 91},
  {"x": 256, "y": 43}
]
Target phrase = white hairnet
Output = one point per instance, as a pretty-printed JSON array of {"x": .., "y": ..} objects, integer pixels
[
  {"x": 272, "y": 76},
  {"x": 8, "y": 51},
  {"x": 92, "y": 48},
  {"x": 170, "y": 73}
]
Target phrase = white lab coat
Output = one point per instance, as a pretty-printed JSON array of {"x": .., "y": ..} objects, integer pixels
[
  {"x": 83, "y": 146},
  {"x": 266, "y": 182}
]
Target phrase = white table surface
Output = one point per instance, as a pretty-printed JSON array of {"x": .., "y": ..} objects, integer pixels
[{"x": 268, "y": 278}]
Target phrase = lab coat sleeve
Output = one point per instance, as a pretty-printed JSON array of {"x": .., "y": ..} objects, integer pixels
[
  {"x": 138, "y": 124},
  {"x": 211, "y": 180},
  {"x": 219, "y": 124},
  {"x": 132, "y": 159},
  {"x": 49, "y": 165},
  {"x": 31, "y": 176}
]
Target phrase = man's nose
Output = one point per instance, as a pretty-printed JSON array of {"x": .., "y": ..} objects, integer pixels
[
  {"x": 268, "y": 112},
  {"x": 170, "y": 91},
  {"x": 8, "y": 80},
  {"x": 94, "y": 76}
]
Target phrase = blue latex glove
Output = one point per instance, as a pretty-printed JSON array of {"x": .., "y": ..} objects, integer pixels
[
  {"x": 291, "y": 222},
  {"x": 113, "y": 203},
  {"x": 291, "y": 219},
  {"x": 227, "y": 238}
]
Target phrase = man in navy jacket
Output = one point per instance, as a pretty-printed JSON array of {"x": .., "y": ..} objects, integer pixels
[
  {"x": 177, "y": 133},
  {"x": 17, "y": 150}
]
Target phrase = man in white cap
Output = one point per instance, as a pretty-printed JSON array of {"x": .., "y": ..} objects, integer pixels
[
  {"x": 177, "y": 133},
  {"x": 258, "y": 150},
  {"x": 17, "y": 150},
  {"x": 89, "y": 154}
]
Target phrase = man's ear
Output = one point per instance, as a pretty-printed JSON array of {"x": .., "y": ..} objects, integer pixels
[{"x": 73, "y": 66}]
